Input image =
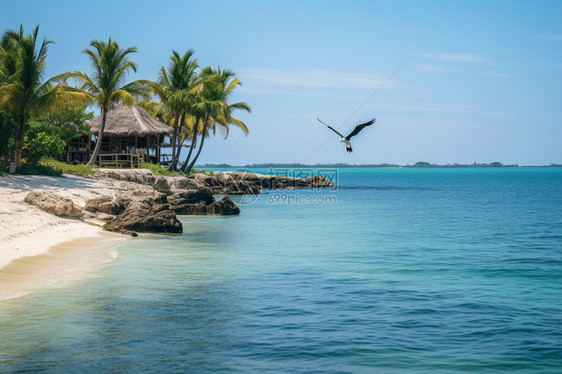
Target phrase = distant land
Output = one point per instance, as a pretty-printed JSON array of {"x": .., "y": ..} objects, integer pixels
[{"x": 420, "y": 164}]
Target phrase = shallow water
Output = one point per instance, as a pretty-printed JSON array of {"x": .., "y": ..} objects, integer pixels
[{"x": 398, "y": 270}]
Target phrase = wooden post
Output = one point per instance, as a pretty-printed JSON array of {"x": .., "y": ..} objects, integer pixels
[{"x": 158, "y": 149}]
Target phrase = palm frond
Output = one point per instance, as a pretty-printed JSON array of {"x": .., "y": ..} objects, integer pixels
[{"x": 121, "y": 96}]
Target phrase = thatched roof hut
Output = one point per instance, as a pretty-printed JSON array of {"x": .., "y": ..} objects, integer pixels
[{"x": 130, "y": 121}]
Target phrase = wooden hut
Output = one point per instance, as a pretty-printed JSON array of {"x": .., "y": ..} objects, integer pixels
[{"x": 131, "y": 136}]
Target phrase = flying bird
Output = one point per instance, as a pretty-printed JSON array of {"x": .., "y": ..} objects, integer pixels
[{"x": 356, "y": 130}]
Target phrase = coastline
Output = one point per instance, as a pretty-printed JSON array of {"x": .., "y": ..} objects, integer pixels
[
  {"x": 30, "y": 229},
  {"x": 26, "y": 231}
]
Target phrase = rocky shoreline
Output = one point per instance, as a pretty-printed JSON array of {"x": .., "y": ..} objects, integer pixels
[{"x": 140, "y": 201}]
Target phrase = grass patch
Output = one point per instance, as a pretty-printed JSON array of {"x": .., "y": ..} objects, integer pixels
[
  {"x": 54, "y": 168},
  {"x": 80, "y": 170},
  {"x": 158, "y": 169},
  {"x": 202, "y": 171},
  {"x": 39, "y": 169}
]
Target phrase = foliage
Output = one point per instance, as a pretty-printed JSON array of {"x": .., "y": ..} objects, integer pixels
[
  {"x": 39, "y": 169},
  {"x": 41, "y": 144},
  {"x": 64, "y": 168},
  {"x": 23, "y": 91},
  {"x": 177, "y": 88},
  {"x": 106, "y": 85},
  {"x": 7, "y": 132},
  {"x": 158, "y": 169},
  {"x": 67, "y": 123},
  {"x": 48, "y": 133},
  {"x": 202, "y": 171},
  {"x": 54, "y": 168},
  {"x": 213, "y": 110},
  {"x": 39, "y": 116}
]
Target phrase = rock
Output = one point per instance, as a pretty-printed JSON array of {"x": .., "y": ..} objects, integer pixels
[
  {"x": 107, "y": 205},
  {"x": 54, "y": 204},
  {"x": 161, "y": 184},
  {"x": 196, "y": 209},
  {"x": 97, "y": 216},
  {"x": 240, "y": 187},
  {"x": 129, "y": 232},
  {"x": 224, "y": 207},
  {"x": 201, "y": 195},
  {"x": 141, "y": 216},
  {"x": 201, "y": 202},
  {"x": 249, "y": 183}
]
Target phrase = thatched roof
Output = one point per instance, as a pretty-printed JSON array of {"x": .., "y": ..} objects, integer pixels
[{"x": 130, "y": 121}]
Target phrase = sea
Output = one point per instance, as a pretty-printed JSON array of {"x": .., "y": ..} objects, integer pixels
[{"x": 437, "y": 270}]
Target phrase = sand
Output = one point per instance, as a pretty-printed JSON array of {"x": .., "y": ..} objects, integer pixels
[{"x": 26, "y": 231}]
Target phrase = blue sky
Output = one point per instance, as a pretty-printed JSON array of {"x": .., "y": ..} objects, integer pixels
[{"x": 483, "y": 82}]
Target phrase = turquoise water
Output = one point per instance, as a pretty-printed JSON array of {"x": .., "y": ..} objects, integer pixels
[{"x": 396, "y": 271}]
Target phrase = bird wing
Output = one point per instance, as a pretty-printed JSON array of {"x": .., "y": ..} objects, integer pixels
[
  {"x": 330, "y": 127},
  {"x": 360, "y": 127}
]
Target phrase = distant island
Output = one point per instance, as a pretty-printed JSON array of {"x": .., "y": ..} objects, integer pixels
[{"x": 419, "y": 164}]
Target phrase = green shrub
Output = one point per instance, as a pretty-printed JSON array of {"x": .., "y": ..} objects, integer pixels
[
  {"x": 40, "y": 145},
  {"x": 201, "y": 171},
  {"x": 39, "y": 169},
  {"x": 7, "y": 132},
  {"x": 158, "y": 169},
  {"x": 64, "y": 168}
]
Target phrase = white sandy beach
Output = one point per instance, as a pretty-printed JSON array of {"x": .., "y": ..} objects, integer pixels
[{"x": 27, "y": 231}]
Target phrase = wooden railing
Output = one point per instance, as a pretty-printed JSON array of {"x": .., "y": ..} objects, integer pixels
[{"x": 119, "y": 160}]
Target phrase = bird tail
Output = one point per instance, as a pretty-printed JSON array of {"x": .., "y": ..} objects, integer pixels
[{"x": 349, "y": 149}]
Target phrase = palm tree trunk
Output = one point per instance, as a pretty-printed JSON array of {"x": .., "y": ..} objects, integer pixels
[
  {"x": 198, "y": 152},
  {"x": 180, "y": 144},
  {"x": 98, "y": 142},
  {"x": 19, "y": 143},
  {"x": 178, "y": 151},
  {"x": 193, "y": 144},
  {"x": 18, "y": 152},
  {"x": 174, "y": 141}
]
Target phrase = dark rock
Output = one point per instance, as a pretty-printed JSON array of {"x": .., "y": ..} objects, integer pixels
[
  {"x": 143, "y": 217},
  {"x": 240, "y": 187},
  {"x": 129, "y": 232},
  {"x": 195, "y": 209},
  {"x": 54, "y": 204},
  {"x": 202, "y": 195},
  {"x": 185, "y": 203},
  {"x": 224, "y": 207}
]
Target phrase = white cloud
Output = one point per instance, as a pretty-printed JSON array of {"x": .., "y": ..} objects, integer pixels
[
  {"x": 275, "y": 78},
  {"x": 497, "y": 74},
  {"x": 456, "y": 57},
  {"x": 554, "y": 37},
  {"x": 436, "y": 69}
]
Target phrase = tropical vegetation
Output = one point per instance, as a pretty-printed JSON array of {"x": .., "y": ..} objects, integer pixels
[
  {"x": 39, "y": 116},
  {"x": 105, "y": 85},
  {"x": 23, "y": 91}
]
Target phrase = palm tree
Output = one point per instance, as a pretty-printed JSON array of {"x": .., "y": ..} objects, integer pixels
[
  {"x": 22, "y": 90},
  {"x": 105, "y": 85},
  {"x": 176, "y": 88},
  {"x": 213, "y": 109}
]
